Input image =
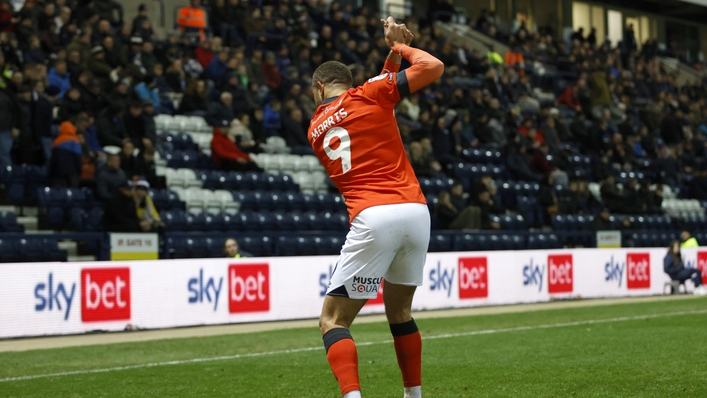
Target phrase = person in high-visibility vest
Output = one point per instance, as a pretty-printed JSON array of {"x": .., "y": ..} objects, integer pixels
[
  {"x": 232, "y": 250},
  {"x": 192, "y": 18},
  {"x": 688, "y": 240}
]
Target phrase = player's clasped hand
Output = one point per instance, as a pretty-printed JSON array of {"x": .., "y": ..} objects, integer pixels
[{"x": 396, "y": 33}]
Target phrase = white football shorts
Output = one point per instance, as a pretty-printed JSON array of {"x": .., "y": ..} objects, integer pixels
[{"x": 388, "y": 241}]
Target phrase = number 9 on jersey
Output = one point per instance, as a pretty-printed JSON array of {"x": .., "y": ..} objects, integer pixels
[{"x": 343, "y": 152}]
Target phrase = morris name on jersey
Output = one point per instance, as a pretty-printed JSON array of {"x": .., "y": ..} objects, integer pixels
[{"x": 328, "y": 123}]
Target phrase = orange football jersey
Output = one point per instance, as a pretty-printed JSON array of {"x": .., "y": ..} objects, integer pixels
[{"x": 356, "y": 138}]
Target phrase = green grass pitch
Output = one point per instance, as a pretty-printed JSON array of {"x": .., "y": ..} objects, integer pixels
[{"x": 655, "y": 349}]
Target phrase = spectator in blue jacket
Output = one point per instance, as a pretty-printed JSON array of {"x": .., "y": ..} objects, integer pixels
[
  {"x": 272, "y": 121},
  {"x": 60, "y": 77},
  {"x": 675, "y": 268},
  {"x": 217, "y": 67},
  {"x": 147, "y": 90},
  {"x": 66, "y": 164}
]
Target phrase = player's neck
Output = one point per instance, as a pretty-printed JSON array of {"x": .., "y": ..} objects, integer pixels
[{"x": 333, "y": 93}]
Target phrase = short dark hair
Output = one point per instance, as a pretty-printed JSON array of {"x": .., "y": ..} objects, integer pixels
[{"x": 333, "y": 72}]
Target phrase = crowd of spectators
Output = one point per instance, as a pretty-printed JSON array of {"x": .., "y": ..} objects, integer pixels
[{"x": 79, "y": 88}]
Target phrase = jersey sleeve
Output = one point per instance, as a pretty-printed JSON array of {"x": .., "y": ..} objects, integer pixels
[{"x": 386, "y": 89}]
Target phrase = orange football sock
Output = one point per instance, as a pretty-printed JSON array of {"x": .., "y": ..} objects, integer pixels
[
  {"x": 343, "y": 359},
  {"x": 408, "y": 349}
]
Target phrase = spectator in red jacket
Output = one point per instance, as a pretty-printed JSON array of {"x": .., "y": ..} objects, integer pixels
[
  {"x": 272, "y": 74},
  {"x": 571, "y": 96},
  {"x": 541, "y": 165},
  {"x": 226, "y": 154}
]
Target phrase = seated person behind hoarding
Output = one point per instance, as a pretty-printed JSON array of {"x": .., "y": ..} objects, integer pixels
[
  {"x": 674, "y": 266},
  {"x": 232, "y": 250},
  {"x": 120, "y": 214},
  {"x": 147, "y": 213},
  {"x": 688, "y": 240},
  {"x": 601, "y": 221}
]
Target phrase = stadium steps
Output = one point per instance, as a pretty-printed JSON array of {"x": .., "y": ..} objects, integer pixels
[
  {"x": 71, "y": 249},
  {"x": 31, "y": 224}
]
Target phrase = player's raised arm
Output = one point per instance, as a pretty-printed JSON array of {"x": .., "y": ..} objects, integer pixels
[
  {"x": 425, "y": 68},
  {"x": 393, "y": 61}
]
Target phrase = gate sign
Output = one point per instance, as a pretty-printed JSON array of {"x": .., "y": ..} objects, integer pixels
[
  {"x": 608, "y": 239},
  {"x": 134, "y": 247}
]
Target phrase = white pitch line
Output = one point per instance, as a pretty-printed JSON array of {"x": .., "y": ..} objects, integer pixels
[{"x": 360, "y": 344}]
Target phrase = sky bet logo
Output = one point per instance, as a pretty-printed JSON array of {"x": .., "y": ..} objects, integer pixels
[
  {"x": 249, "y": 288},
  {"x": 560, "y": 274},
  {"x": 54, "y": 295},
  {"x": 702, "y": 265},
  {"x": 441, "y": 279},
  {"x": 614, "y": 271},
  {"x": 533, "y": 275},
  {"x": 201, "y": 289},
  {"x": 106, "y": 294},
  {"x": 638, "y": 270},
  {"x": 473, "y": 277}
]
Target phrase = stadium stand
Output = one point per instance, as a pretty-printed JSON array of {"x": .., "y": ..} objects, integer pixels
[{"x": 557, "y": 132}]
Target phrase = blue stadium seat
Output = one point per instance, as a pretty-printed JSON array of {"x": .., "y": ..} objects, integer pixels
[
  {"x": 195, "y": 222},
  {"x": 264, "y": 221},
  {"x": 294, "y": 201},
  {"x": 339, "y": 204},
  {"x": 583, "y": 222},
  {"x": 77, "y": 216},
  {"x": 274, "y": 182},
  {"x": 310, "y": 202},
  {"x": 464, "y": 242},
  {"x": 50, "y": 249},
  {"x": 246, "y": 198},
  {"x": 196, "y": 248},
  {"x": 305, "y": 246},
  {"x": 494, "y": 242},
  {"x": 262, "y": 200},
  {"x": 175, "y": 220},
  {"x": 267, "y": 245},
  {"x": 322, "y": 245},
  {"x": 518, "y": 242},
  {"x": 37, "y": 178},
  {"x": 426, "y": 185},
  {"x": 440, "y": 243},
  {"x": 54, "y": 217},
  {"x": 29, "y": 250},
  {"x": 8, "y": 223},
  {"x": 16, "y": 183},
  {"x": 299, "y": 222},
  {"x": 283, "y": 221},
  {"x": 286, "y": 246},
  {"x": 8, "y": 251},
  {"x": 214, "y": 247},
  {"x": 326, "y": 202},
  {"x": 251, "y": 245},
  {"x": 94, "y": 220},
  {"x": 278, "y": 201},
  {"x": 313, "y": 221},
  {"x": 252, "y": 180},
  {"x": 212, "y": 222},
  {"x": 506, "y": 242}
]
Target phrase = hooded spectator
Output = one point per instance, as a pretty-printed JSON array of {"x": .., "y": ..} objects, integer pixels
[{"x": 66, "y": 165}]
